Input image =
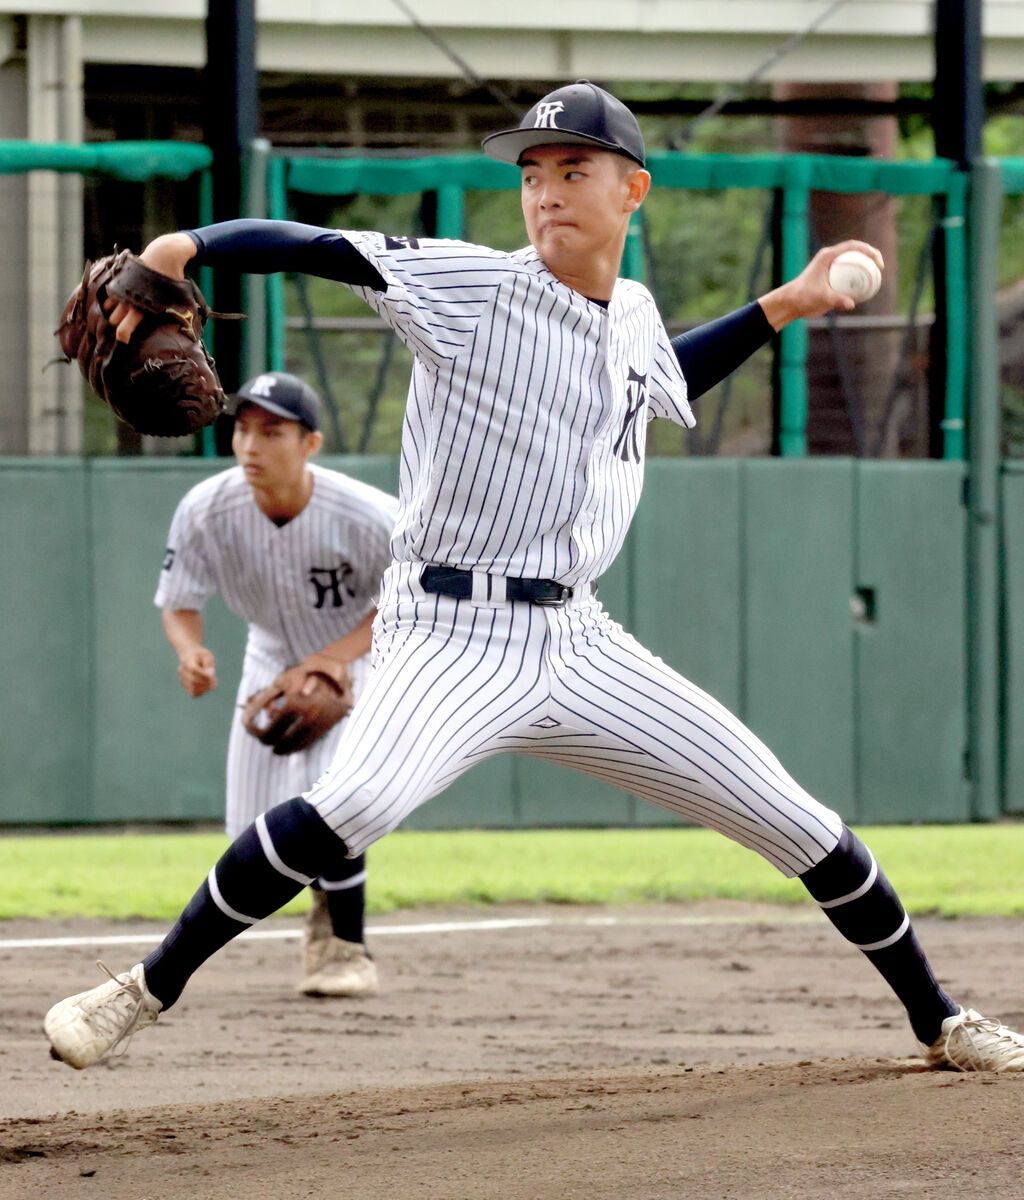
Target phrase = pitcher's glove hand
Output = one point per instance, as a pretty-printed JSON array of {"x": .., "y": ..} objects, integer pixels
[
  {"x": 163, "y": 381},
  {"x": 292, "y": 720}
]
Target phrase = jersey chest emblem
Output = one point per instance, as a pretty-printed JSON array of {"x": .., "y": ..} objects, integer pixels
[
  {"x": 627, "y": 444},
  {"x": 401, "y": 243},
  {"x": 331, "y": 585}
]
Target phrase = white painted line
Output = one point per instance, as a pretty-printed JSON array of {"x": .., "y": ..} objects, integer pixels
[{"x": 494, "y": 924}]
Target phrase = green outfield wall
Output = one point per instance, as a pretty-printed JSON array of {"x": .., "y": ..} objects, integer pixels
[{"x": 822, "y": 600}]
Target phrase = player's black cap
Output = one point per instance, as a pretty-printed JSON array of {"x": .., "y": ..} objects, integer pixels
[
  {"x": 284, "y": 395},
  {"x": 578, "y": 114}
]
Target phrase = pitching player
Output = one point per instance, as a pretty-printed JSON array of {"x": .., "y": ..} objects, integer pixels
[
  {"x": 535, "y": 375},
  {"x": 297, "y": 552}
]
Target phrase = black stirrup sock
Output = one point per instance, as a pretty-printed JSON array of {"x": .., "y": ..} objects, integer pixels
[
  {"x": 263, "y": 868},
  {"x": 860, "y": 902},
  {"x": 345, "y": 894}
]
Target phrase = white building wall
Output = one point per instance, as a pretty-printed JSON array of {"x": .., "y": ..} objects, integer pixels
[{"x": 698, "y": 40}]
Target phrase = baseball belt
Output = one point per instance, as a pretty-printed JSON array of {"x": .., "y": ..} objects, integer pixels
[{"x": 454, "y": 582}]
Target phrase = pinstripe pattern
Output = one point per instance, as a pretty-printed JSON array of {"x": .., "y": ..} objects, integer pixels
[
  {"x": 523, "y": 442},
  {"x": 220, "y": 541},
  {"x": 454, "y": 684},
  {"x": 522, "y": 455}
]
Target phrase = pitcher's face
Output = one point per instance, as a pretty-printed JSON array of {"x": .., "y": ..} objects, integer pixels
[{"x": 577, "y": 200}]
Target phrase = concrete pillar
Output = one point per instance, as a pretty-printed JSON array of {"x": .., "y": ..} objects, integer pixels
[
  {"x": 53, "y": 234},
  {"x": 13, "y": 254},
  {"x": 40, "y": 236}
]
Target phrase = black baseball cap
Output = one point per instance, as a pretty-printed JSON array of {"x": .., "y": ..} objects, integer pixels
[
  {"x": 579, "y": 114},
  {"x": 283, "y": 395}
]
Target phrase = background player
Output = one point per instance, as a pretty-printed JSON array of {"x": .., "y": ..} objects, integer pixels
[
  {"x": 535, "y": 375},
  {"x": 297, "y": 551}
]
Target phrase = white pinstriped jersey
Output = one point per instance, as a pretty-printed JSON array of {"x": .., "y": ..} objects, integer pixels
[
  {"x": 523, "y": 442},
  {"x": 522, "y": 455},
  {"x": 299, "y": 586}
]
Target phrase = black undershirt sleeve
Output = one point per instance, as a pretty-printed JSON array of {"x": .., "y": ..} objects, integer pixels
[
  {"x": 709, "y": 353},
  {"x": 706, "y": 355},
  {"x": 262, "y": 247}
]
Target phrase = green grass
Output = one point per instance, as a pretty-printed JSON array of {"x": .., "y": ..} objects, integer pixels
[{"x": 950, "y": 870}]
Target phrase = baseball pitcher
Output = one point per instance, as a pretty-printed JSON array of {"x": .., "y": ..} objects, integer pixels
[{"x": 535, "y": 376}]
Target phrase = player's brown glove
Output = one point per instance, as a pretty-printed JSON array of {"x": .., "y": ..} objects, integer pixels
[
  {"x": 293, "y": 721},
  {"x": 163, "y": 381}
]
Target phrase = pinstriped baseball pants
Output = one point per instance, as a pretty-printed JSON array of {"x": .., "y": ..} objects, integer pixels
[{"x": 455, "y": 683}]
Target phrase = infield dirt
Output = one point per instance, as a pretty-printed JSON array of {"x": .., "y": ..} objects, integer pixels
[{"x": 710, "y": 1051}]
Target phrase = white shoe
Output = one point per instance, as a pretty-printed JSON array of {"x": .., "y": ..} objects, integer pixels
[
  {"x": 85, "y": 1028},
  {"x": 333, "y": 966},
  {"x": 339, "y": 968},
  {"x": 971, "y": 1042}
]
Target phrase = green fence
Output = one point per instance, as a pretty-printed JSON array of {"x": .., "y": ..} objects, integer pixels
[
  {"x": 860, "y": 616},
  {"x": 130, "y": 161},
  {"x": 818, "y": 599},
  {"x": 791, "y": 178}
]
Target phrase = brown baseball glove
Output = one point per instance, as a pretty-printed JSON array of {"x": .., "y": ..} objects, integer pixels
[
  {"x": 293, "y": 721},
  {"x": 162, "y": 382}
]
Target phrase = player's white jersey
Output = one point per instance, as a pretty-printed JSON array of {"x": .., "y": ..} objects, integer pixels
[
  {"x": 298, "y": 586},
  {"x": 523, "y": 442}
]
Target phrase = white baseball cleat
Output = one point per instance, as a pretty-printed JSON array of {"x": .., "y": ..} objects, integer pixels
[
  {"x": 333, "y": 966},
  {"x": 971, "y": 1042},
  {"x": 339, "y": 968},
  {"x": 86, "y": 1028}
]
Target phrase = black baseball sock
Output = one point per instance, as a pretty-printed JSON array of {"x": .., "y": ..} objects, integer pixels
[
  {"x": 861, "y": 903},
  {"x": 262, "y": 869},
  {"x": 345, "y": 893}
]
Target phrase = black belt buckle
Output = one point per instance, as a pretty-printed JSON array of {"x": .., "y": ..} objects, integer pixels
[{"x": 555, "y": 599}]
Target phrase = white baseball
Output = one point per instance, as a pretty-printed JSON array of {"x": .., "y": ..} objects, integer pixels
[{"x": 855, "y": 274}]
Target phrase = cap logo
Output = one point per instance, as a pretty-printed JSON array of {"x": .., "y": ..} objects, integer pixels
[
  {"x": 262, "y": 385},
  {"x": 546, "y": 112}
]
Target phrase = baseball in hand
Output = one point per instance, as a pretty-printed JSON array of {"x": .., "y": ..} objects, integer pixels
[{"x": 855, "y": 274}]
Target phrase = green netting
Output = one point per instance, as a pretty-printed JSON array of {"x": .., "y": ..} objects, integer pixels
[
  {"x": 790, "y": 178},
  {"x": 391, "y": 177},
  {"x": 826, "y": 173},
  {"x": 388, "y": 177},
  {"x": 132, "y": 161}
]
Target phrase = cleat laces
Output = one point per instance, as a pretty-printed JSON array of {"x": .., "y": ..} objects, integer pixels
[
  {"x": 982, "y": 1044},
  {"x": 118, "y": 1013}
]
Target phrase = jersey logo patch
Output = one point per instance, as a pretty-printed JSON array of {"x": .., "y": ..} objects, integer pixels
[
  {"x": 402, "y": 243},
  {"x": 546, "y": 114},
  {"x": 627, "y": 444},
  {"x": 333, "y": 582},
  {"x": 168, "y": 559}
]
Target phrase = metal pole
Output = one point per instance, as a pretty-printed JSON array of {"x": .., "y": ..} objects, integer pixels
[
  {"x": 983, "y": 515},
  {"x": 230, "y": 126},
  {"x": 958, "y": 98},
  {"x": 254, "y": 287},
  {"x": 793, "y": 339},
  {"x": 277, "y": 191},
  {"x": 958, "y": 116},
  {"x": 954, "y": 285},
  {"x": 451, "y": 203}
]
